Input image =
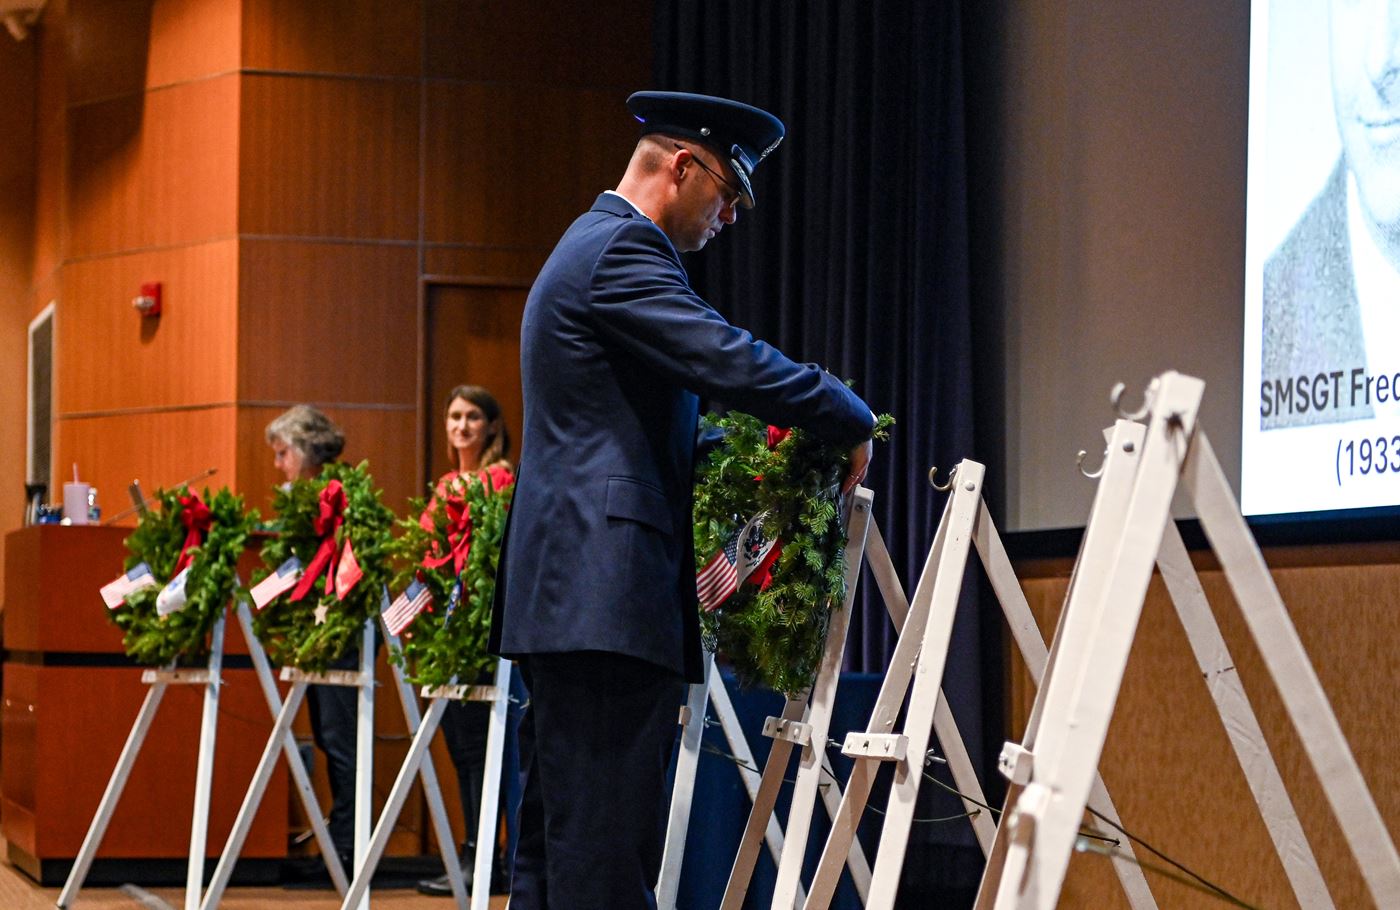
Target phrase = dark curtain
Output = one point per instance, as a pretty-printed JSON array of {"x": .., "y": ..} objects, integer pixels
[{"x": 856, "y": 256}]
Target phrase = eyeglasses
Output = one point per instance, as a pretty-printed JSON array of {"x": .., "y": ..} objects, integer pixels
[{"x": 731, "y": 195}]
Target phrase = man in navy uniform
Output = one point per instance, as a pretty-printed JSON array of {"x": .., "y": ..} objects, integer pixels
[{"x": 596, "y": 588}]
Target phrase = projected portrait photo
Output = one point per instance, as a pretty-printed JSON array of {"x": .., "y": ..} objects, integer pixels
[
  {"x": 1320, "y": 415},
  {"x": 1331, "y": 288}
]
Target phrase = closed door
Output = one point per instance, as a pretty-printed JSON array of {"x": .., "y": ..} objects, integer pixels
[{"x": 472, "y": 337}]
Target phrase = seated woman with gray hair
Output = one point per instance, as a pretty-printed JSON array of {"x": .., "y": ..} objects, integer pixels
[{"x": 303, "y": 439}]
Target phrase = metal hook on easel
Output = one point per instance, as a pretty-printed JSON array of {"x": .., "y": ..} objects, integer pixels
[
  {"x": 1115, "y": 397},
  {"x": 1079, "y": 463},
  {"x": 933, "y": 479}
]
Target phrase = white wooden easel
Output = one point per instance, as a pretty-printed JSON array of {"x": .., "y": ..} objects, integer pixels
[
  {"x": 713, "y": 692},
  {"x": 1124, "y": 442},
  {"x": 805, "y": 722},
  {"x": 158, "y": 680},
  {"x": 1073, "y": 708},
  {"x": 499, "y": 696},
  {"x": 281, "y": 740},
  {"x": 920, "y": 653}
]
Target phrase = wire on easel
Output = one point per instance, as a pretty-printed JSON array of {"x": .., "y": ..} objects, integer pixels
[{"x": 1190, "y": 879}]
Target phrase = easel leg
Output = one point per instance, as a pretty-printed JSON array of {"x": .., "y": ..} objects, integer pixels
[
  {"x": 432, "y": 794},
  {"x": 108, "y": 805},
  {"x": 823, "y": 695},
  {"x": 928, "y": 676},
  {"x": 765, "y": 798},
  {"x": 856, "y": 862},
  {"x": 1081, "y": 699},
  {"x": 1218, "y": 669},
  {"x": 1072, "y": 631},
  {"x": 204, "y": 769},
  {"x": 910, "y": 622},
  {"x": 486, "y": 827},
  {"x": 1032, "y": 647},
  {"x": 358, "y": 893},
  {"x": 739, "y": 748},
  {"x": 224, "y": 871},
  {"x": 300, "y": 779},
  {"x": 364, "y": 755},
  {"x": 683, "y": 789},
  {"x": 1293, "y": 674}
]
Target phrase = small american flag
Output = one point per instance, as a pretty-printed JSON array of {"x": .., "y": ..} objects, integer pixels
[
  {"x": 410, "y": 603},
  {"x": 276, "y": 584},
  {"x": 114, "y": 592},
  {"x": 719, "y": 578}
]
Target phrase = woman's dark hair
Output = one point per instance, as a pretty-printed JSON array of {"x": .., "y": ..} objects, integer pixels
[
  {"x": 496, "y": 449},
  {"x": 309, "y": 431}
]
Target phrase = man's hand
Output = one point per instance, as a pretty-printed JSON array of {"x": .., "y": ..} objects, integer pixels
[{"x": 860, "y": 463}]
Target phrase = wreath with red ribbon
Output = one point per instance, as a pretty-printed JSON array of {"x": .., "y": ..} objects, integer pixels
[
  {"x": 184, "y": 530},
  {"x": 771, "y": 495},
  {"x": 338, "y": 528},
  {"x": 452, "y": 549}
]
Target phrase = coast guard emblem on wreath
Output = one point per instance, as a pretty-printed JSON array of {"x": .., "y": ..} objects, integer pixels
[{"x": 754, "y": 546}]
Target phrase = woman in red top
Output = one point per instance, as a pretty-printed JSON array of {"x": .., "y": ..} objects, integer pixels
[
  {"x": 479, "y": 444},
  {"x": 476, "y": 437}
]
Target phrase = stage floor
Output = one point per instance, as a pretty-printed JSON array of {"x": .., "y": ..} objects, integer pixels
[{"x": 19, "y": 892}]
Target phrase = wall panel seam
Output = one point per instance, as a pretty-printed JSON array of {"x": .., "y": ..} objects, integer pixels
[{"x": 240, "y": 403}]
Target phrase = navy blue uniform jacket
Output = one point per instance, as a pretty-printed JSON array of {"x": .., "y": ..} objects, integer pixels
[{"x": 615, "y": 349}]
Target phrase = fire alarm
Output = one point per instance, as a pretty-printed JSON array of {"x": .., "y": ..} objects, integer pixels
[{"x": 148, "y": 301}]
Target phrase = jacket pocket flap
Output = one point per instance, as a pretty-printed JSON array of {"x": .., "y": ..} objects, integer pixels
[{"x": 638, "y": 501}]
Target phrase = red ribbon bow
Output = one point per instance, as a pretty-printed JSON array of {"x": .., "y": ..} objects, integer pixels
[
  {"x": 762, "y": 575},
  {"x": 197, "y": 519},
  {"x": 328, "y": 521},
  {"x": 459, "y": 538}
]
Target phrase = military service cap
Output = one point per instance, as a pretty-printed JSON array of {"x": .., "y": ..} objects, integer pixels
[{"x": 740, "y": 132}]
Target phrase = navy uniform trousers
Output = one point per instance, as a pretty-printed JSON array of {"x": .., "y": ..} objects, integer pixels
[{"x": 612, "y": 722}]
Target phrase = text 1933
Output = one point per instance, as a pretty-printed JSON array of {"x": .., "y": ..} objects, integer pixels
[{"x": 1367, "y": 456}]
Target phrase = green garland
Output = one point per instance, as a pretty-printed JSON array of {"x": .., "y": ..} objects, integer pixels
[
  {"x": 440, "y": 648},
  {"x": 287, "y": 629},
  {"x": 183, "y": 636},
  {"x": 775, "y": 636}
]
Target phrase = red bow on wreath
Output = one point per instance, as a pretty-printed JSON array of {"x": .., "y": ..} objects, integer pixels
[
  {"x": 197, "y": 519},
  {"x": 459, "y": 538},
  {"x": 328, "y": 521},
  {"x": 762, "y": 574}
]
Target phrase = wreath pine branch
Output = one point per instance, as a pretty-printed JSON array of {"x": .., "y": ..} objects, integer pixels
[
  {"x": 775, "y": 636},
  {"x": 288, "y": 629},
  {"x": 182, "y": 637},
  {"x": 439, "y": 647}
]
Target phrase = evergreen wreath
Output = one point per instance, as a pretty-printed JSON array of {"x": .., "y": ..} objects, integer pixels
[
  {"x": 446, "y": 645},
  {"x": 216, "y": 533},
  {"x": 773, "y": 630},
  {"x": 288, "y": 628}
]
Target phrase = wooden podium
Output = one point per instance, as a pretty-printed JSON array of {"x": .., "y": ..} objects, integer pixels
[{"x": 70, "y": 696}]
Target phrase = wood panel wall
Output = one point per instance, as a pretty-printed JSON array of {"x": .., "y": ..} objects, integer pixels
[
  {"x": 297, "y": 181},
  {"x": 293, "y": 184},
  {"x": 19, "y": 70},
  {"x": 1168, "y": 763},
  {"x": 150, "y": 187},
  {"x": 423, "y": 146}
]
